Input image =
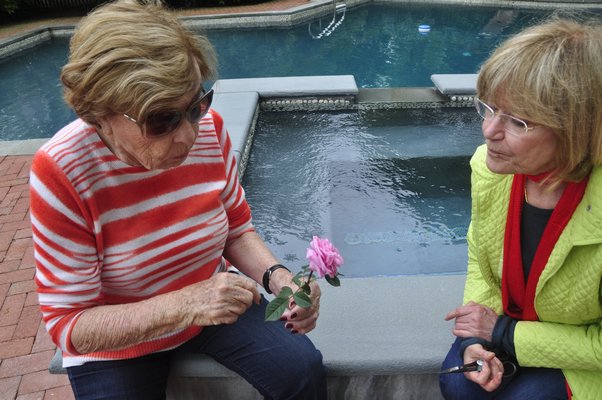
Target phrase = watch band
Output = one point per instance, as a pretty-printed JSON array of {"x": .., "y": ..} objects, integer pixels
[{"x": 268, "y": 274}]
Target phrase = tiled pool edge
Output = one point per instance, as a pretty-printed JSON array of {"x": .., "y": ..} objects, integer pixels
[
  {"x": 17, "y": 43},
  {"x": 239, "y": 102}
]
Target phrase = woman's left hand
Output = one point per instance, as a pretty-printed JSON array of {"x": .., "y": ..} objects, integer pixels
[
  {"x": 300, "y": 320},
  {"x": 473, "y": 320},
  {"x": 490, "y": 377}
]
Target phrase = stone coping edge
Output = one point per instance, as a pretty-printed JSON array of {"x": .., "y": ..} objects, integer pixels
[{"x": 240, "y": 100}]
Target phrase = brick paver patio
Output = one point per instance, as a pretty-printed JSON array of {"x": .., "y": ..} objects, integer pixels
[{"x": 25, "y": 347}]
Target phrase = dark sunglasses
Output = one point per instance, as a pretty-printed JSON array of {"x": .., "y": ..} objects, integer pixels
[{"x": 163, "y": 123}]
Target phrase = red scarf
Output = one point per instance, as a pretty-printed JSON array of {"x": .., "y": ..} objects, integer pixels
[{"x": 518, "y": 296}]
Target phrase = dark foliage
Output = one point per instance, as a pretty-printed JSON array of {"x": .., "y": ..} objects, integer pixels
[{"x": 18, "y": 10}]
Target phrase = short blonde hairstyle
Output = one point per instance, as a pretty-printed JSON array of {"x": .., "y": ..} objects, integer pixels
[
  {"x": 132, "y": 57},
  {"x": 551, "y": 75}
]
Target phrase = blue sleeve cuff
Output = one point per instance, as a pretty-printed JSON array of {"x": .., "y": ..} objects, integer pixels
[
  {"x": 503, "y": 334},
  {"x": 465, "y": 342}
]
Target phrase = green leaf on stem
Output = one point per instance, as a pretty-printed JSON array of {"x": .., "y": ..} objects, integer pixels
[
  {"x": 278, "y": 305},
  {"x": 333, "y": 281},
  {"x": 302, "y": 299},
  {"x": 306, "y": 289}
]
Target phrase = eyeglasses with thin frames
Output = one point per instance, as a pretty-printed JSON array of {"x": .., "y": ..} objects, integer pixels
[
  {"x": 162, "y": 123},
  {"x": 512, "y": 125}
]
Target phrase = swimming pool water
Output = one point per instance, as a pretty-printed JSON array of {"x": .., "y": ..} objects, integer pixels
[
  {"x": 379, "y": 44},
  {"x": 31, "y": 103},
  {"x": 390, "y": 189}
]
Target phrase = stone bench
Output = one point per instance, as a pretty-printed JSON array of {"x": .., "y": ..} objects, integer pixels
[
  {"x": 455, "y": 84},
  {"x": 291, "y": 86},
  {"x": 381, "y": 337}
]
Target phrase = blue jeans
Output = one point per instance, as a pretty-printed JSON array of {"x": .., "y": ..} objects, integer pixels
[
  {"x": 527, "y": 383},
  {"x": 280, "y": 365}
]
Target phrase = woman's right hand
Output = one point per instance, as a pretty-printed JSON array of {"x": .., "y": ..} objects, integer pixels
[
  {"x": 218, "y": 300},
  {"x": 490, "y": 377}
]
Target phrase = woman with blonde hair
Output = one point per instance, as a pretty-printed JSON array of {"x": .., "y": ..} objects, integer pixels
[
  {"x": 532, "y": 313},
  {"x": 137, "y": 212}
]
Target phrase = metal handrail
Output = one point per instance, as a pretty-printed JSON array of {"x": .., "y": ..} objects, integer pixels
[{"x": 340, "y": 8}]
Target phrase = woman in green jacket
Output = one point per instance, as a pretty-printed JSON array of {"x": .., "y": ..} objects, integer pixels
[{"x": 532, "y": 310}]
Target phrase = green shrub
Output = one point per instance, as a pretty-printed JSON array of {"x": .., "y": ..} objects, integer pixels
[
  {"x": 9, "y": 6},
  {"x": 19, "y": 9}
]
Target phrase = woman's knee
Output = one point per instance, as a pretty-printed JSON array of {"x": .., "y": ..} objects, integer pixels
[
  {"x": 314, "y": 367},
  {"x": 303, "y": 378},
  {"x": 454, "y": 386}
]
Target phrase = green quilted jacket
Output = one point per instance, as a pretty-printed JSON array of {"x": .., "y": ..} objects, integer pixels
[{"x": 568, "y": 298}]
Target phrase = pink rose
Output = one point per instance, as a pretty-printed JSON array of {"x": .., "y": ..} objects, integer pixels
[{"x": 324, "y": 258}]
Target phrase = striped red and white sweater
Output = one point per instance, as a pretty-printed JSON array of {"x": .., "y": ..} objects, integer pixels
[{"x": 109, "y": 233}]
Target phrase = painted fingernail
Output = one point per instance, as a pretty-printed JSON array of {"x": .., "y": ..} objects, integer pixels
[
  {"x": 283, "y": 318},
  {"x": 293, "y": 315},
  {"x": 294, "y": 332},
  {"x": 288, "y": 326}
]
